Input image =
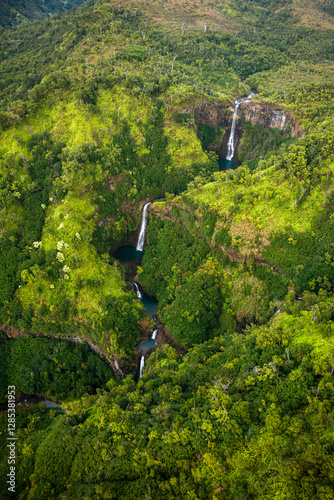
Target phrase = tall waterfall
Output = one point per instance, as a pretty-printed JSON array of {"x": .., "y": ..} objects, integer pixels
[
  {"x": 141, "y": 237},
  {"x": 142, "y": 364},
  {"x": 231, "y": 142},
  {"x": 135, "y": 288}
]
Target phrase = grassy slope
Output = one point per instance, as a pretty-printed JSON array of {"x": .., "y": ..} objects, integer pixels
[
  {"x": 84, "y": 57},
  {"x": 188, "y": 414}
]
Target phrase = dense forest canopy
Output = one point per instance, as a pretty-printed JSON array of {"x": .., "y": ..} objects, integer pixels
[
  {"x": 14, "y": 12},
  {"x": 103, "y": 107}
]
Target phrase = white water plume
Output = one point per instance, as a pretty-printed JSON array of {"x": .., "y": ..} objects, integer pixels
[
  {"x": 155, "y": 333},
  {"x": 141, "y": 237},
  {"x": 142, "y": 364},
  {"x": 136, "y": 290},
  {"x": 231, "y": 141}
]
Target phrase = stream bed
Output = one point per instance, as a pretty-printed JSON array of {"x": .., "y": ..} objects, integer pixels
[{"x": 131, "y": 257}]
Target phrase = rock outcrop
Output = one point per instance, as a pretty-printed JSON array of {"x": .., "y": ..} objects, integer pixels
[
  {"x": 268, "y": 115},
  {"x": 219, "y": 115}
]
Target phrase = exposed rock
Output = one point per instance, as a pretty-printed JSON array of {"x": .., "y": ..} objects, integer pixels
[
  {"x": 268, "y": 115},
  {"x": 218, "y": 114},
  {"x": 165, "y": 337}
]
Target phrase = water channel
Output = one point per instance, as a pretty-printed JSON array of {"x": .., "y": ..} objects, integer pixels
[{"x": 133, "y": 255}]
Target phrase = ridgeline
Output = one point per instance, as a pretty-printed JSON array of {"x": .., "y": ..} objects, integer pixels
[{"x": 107, "y": 106}]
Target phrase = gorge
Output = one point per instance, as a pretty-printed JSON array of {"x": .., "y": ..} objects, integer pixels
[
  {"x": 122, "y": 239},
  {"x": 132, "y": 256}
]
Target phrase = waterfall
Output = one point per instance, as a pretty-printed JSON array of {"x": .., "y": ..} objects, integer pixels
[
  {"x": 142, "y": 359},
  {"x": 155, "y": 333},
  {"x": 231, "y": 142},
  {"x": 135, "y": 288},
  {"x": 142, "y": 364},
  {"x": 141, "y": 237}
]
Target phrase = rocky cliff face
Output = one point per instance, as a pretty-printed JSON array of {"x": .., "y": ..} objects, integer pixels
[
  {"x": 214, "y": 113},
  {"x": 219, "y": 114},
  {"x": 268, "y": 115}
]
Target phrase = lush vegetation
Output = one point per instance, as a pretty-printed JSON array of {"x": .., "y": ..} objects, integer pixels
[
  {"x": 57, "y": 369},
  {"x": 18, "y": 11},
  {"x": 240, "y": 416},
  {"x": 100, "y": 111}
]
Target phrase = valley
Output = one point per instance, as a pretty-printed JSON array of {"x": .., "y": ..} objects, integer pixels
[{"x": 166, "y": 249}]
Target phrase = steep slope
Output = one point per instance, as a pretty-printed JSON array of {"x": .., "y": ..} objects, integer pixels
[
  {"x": 18, "y": 11},
  {"x": 93, "y": 122},
  {"x": 103, "y": 108}
]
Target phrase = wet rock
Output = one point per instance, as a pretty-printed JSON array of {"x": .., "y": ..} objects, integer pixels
[{"x": 220, "y": 115}]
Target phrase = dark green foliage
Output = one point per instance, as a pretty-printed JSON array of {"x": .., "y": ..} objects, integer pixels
[
  {"x": 156, "y": 162},
  {"x": 241, "y": 416},
  {"x": 306, "y": 258},
  {"x": 122, "y": 320},
  {"x": 257, "y": 141},
  {"x": 195, "y": 310},
  {"x": 44, "y": 168},
  {"x": 171, "y": 256},
  {"x": 57, "y": 369},
  {"x": 327, "y": 6},
  {"x": 39, "y": 420},
  {"x": 222, "y": 238},
  {"x": 16, "y": 11},
  {"x": 61, "y": 441},
  {"x": 236, "y": 411},
  {"x": 181, "y": 118},
  {"x": 207, "y": 134},
  {"x": 4, "y": 357},
  {"x": 275, "y": 282},
  {"x": 88, "y": 94},
  {"x": 9, "y": 260},
  {"x": 105, "y": 200}
]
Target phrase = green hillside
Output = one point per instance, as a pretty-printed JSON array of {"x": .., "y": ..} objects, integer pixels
[
  {"x": 22, "y": 11},
  {"x": 107, "y": 106}
]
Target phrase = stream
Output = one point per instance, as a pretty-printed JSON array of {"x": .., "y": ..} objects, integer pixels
[
  {"x": 26, "y": 400},
  {"x": 133, "y": 255}
]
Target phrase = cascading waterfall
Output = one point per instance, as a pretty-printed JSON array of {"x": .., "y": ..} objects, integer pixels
[
  {"x": 141, "y": 237},
  {"x": 135, "y": 288},
  {"x": 142, "y": 359},
  {"x": 142, "y": 364},
  {"x": 231, "y": 142},
  {"x": 155, "y": 333}
]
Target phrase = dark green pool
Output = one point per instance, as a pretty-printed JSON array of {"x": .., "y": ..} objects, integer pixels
[
  {"x": 227, "y": 164},
  {"x": 127, "y": 253}
]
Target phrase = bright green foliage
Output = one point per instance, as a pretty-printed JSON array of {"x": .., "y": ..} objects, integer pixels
[
  {"x": 196, "y": 307},
  {"x": 98, "y": 111},
  {"x": 235, "y": 413}
]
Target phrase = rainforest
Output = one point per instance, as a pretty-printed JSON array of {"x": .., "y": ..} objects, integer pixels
[{"x": 167, "y": 250}]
